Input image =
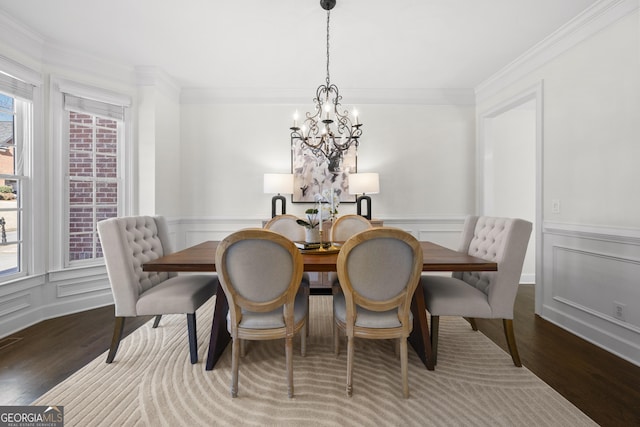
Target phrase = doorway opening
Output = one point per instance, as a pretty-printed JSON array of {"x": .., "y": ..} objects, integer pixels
[{"x": 510, "y": 170}]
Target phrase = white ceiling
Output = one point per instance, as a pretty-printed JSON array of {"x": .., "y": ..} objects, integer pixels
[{"x": 279, "y": 44}]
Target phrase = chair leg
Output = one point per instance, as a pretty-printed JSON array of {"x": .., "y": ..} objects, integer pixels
[
  {"x": 350, "y": 366},
  {"x": 243, "y": 348},
  {"x": 336, "y": 339},
  {"x": 308, "y": 291},
  {"x": 115, "y": 340},
  {"x": 156, "y": 321},
  {"x": 404, "y": 367},
  {"x": 289, "y": 361},
  {"x": 511, "y": 341},
  {"x": 235, "y": 361},
  {"x": 435, "y": 326},
  {"x": 193, "y": 338},
  {"x": 303, "y": 339},
  {"x": 473, "y": 323}
]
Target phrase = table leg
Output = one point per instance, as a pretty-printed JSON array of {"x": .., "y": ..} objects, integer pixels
[
  {"x": 220, "y": 337},
  {"x": 419, "y": 338}
]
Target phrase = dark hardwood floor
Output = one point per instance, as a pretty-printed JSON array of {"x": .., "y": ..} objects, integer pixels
[
  {"x": 602, "y": 385},
  {"x": 37, "y": 358}
]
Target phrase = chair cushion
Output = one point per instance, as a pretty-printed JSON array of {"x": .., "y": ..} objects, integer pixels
[
  {"x": 177, "y": 295},
  {"x": 448, "y": 296},
  {"x": 366, "y": 318},
  {"x": 275, "y": 318}
]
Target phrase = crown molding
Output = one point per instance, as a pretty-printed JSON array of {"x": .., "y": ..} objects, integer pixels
[
  {"x": 26, "y": 43},
  {"x": 598, "y": 16},
  {"x": 158, "y": 78},
  {"x": 64, "y": 59},
  {"x": 303, "y": 96},
  {"x": 32, "y": 48}
]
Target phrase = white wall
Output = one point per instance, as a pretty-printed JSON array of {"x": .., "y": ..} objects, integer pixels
[
  {"x": 168, "y": 176},
  {"x": 512, "y": 174},
  {"x": 146, "y": 137},
  {"x": 591, "y": 248},
  {"x": 424, "y": 154},
  {"x": 158, "y": 143}
]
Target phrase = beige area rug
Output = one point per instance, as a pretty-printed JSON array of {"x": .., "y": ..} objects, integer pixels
[{"x": 152, "y": 383}]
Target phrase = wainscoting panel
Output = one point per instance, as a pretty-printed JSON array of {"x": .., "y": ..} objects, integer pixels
[
  {"x": 14, "y": 303},
  {"x": 81, "y": 288},
  {"x": 191, "y": 231},
  {"x": 28, "y": 301},
  {"x": 591, "y": 285},
  {"x": 443, "y": 231}
]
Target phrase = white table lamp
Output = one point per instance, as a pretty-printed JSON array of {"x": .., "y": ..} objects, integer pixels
[
  {"x": 278, "y": 183},
  {"x": 364, "y": 183}
]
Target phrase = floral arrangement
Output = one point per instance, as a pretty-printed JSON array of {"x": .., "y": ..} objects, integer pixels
[
  {"x": 312, "y": 219},
  {"x": 326, "y": 207},
  {"x": 332, "y": 202}
]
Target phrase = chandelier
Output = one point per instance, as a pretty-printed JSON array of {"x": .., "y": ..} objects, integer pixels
[{"x": 328, "y": 131}]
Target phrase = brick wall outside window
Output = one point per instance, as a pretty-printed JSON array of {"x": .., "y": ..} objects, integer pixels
[{"x": 93, "y": 186}]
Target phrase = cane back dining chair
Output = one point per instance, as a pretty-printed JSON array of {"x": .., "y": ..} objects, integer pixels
[
  {"x": 379, "y": 270},
  {"x": 129, "y": 242},
  {"x": 260, "y": 272},
  {"x": 487, "y": 294}
]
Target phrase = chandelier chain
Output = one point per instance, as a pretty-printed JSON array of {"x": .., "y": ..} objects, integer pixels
[{"x": 328, "y": 18}]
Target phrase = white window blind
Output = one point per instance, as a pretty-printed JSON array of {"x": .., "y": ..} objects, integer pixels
[
  {"x": 15, "y": 87},
  {"x": 96, "y": 108}
]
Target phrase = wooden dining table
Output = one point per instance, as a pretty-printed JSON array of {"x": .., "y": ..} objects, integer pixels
[{"x": 201, "y": 258}]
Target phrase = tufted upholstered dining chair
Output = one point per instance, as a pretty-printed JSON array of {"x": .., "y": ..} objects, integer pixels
[
  {"x": 344, "y": 227},
  {"x": 487, "y": 294},
  {"x": 260, "y": 272},
  {"x": 129, "y": 242},
  {"x": 379, "y": 270}
]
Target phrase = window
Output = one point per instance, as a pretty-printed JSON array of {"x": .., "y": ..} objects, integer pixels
[
  {"x": 94, "y": 137},
  {"x": 15, "y": 137}
]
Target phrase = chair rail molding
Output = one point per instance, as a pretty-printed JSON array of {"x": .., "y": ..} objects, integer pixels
[{"x": 594, "y": 232}]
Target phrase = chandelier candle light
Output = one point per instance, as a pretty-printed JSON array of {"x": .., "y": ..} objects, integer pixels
[{"x": 329, "y": 131}]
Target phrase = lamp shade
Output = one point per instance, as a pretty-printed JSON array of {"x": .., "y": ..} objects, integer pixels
[
  {"x": 280, "y": 183},
  {"x": 364, "y": 183}
]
